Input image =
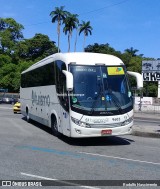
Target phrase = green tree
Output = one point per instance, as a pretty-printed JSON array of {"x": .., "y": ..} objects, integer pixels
[
  {"x": 126, "y": 58},
  {"x": 77, "y": 31},
  {"x": 36, "y": 48},
  {"x": 4, "y": 59},
  {"x": 17, "y": 53},
  {"x": 7, "y": 75},
  {"x": 10, "y": 34},
  {"x": 58, "y": 15},
  {"x": 86, "y": 29},
  {"x": 150, "y": 89},
  {"x": 40, "y": 47},
  {"x": 131, "y": 51},
  {"x": 102, "y": 48},
  {"x": 70, "y": 22}
]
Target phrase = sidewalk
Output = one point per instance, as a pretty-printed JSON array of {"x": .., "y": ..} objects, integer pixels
[{"x": 147, "y": 131}]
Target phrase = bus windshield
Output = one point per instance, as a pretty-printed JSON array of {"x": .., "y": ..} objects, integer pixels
[{"x": 100, "y": 90}]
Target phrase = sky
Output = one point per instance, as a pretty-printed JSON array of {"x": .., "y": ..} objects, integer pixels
[{"x": 120, "y": 23}]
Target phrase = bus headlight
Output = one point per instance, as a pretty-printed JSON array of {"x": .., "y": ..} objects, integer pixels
[
  {"x": 80, "y": 123},
  {"x": 126, "y": 122}
]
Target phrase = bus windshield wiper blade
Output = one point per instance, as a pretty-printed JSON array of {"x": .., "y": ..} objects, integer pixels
[
  {"x": 115, "y": 101},
  {"x": 95, "y": 102}
]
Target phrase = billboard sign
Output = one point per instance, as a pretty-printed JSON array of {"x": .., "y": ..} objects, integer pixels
[{"x": 151, "y": 70}]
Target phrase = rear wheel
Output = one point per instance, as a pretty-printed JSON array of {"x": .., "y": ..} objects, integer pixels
[
  {"x": 54, "y": 126},
  {"x": 27, "y": 115}
]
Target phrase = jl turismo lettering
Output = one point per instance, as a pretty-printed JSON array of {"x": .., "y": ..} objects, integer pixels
[{"x": 41, "y": 100}]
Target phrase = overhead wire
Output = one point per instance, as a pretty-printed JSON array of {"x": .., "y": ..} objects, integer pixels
[
  {"x": 93, "y": 11},
  {"x": 96, "y": 10}
]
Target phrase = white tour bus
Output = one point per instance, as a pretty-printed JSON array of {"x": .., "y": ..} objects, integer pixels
[{"x": 79, "y": 94}]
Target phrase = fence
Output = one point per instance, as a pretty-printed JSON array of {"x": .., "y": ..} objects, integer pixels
[{"x": 154, "y": 109}]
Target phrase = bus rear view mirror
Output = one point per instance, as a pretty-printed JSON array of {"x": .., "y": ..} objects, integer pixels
[
  {"x": 69, "y": 80},
  {"x": 139, "y": 79}
]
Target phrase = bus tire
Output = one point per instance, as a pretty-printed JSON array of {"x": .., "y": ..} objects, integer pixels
[
  {"x": 27, "y": 116},
  {"x": 54, "y": 126}
]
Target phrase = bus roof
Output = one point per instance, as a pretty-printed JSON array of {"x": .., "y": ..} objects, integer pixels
[{"x": 79, "y": 58}]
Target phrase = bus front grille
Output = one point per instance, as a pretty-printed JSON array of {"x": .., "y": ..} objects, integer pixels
[{"x": 105, "y": 125}]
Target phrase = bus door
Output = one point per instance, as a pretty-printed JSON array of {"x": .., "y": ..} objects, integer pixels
[{"x": 63, "y": 97}]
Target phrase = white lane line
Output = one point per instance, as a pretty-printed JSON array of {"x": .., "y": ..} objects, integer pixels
[
  {"x": 60, "y": 181},
  {"x": 36, "y": 176},
  {"x": 114, "y": 157}
]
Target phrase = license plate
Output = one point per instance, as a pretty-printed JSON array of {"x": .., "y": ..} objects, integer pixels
[{"x": 106, "y": 132}]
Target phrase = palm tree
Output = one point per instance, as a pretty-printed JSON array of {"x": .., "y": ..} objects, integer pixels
[
  {"x": 70, "y": 24},
  {"x": 87, "y": 29},
  {"x": 59, "y": 15},
  {"x": 77, "y": 30},
  {"x": 131, "y": 51}
]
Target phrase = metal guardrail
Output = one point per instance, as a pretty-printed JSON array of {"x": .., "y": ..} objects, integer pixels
[{"x": 154, "y": 109}]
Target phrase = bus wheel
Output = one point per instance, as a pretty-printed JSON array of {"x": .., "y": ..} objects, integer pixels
[
  {"x": 27, "y": 115},
  {"x": 54, "y": 126}
]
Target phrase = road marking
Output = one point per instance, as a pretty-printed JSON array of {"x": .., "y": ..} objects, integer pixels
[
  {"x": 114, "y": 157},
  {"x": 36, "y": 176},
  {"x": 59, "y": 181},
  {"x": 7, "y": 108},
  {"x": 77, "y": 154},
  {"x": 58, "y": 152}
]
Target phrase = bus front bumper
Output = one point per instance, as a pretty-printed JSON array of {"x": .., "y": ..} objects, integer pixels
[{"x": 82, "y": 132}]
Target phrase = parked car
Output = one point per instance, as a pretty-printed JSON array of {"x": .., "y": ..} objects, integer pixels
[
  {"x": 8, "y": 100},
  {"x": 17, "y": 107}
]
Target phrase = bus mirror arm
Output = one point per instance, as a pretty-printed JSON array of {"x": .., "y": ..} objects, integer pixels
[
  {"x": 69, "y": 80},
  {"x": 139, "y": 78}
]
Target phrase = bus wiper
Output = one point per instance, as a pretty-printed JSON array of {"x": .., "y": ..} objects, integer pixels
[
  {"x": 95, "y": 102},
  {"x": 115, "y": 101}
]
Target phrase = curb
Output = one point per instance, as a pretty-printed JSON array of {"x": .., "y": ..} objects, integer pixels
[
  {"x": 146, "y": 134},
  {"x": 147, "y": 117}
]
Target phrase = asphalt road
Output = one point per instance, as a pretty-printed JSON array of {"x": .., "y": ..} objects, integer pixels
[{"x": 30, "y": 151}]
